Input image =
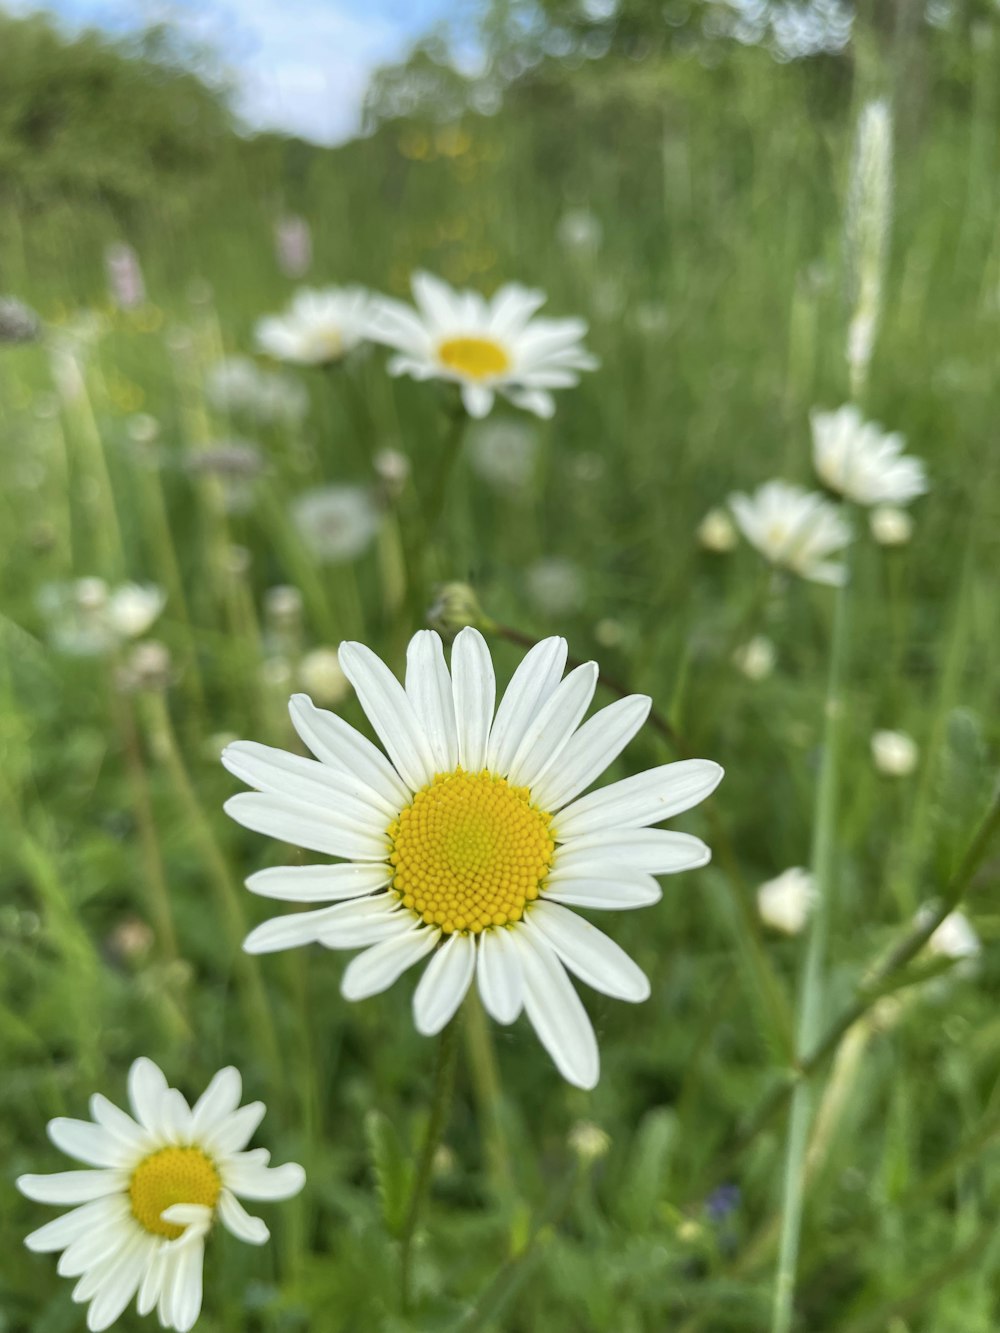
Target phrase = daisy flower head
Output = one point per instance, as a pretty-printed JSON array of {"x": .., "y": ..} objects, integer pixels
[
  {"x": 320, "y": 326},
  {"x": 156, "y": 1182},
  {"x": 860, "y": 461},
  {"x": 794, "y": 529},
  {"x": 485, "y": 346},
  {"x": 468, "y": 841}
]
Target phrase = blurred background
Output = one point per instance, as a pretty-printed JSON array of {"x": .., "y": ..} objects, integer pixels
[{"x": 188, "y": 529}]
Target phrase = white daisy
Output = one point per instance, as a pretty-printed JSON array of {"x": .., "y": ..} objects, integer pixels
[
  {"x": 471, "y": 841},
  {"x": 794, "y": 529},
  {"x": 857, "y": 459},
  {"x": 484, "y": 346},
  {"x": 156, "y": 1185},
  {"x": 320, "y": 326},
  {"x": 785, "y": 903}
]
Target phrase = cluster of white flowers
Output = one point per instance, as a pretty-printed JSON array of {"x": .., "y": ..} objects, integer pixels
[
  {"x": 799, "y": 530},
  {"x": 86, "y": 618},
  {"x": 484, "y": 346}
]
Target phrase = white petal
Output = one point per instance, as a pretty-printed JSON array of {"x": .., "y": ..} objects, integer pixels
[
  {"x": 428, "y": 686},
  {"x": 553, "y": 725},
  {"x": 652, "y": 850},
  {"x": 319, "y": 884},
  {"x": 390, "y": 713},
  {"x": 616, "y": 892},
  {"x": 365, "y": 921},
  {"x": 305, "y": 826},
  {"x": 175, "y": 1117},
  {"x": 443, "y": 985},
  {"x": 72, "y": 1186},
  {"x": 219, "y": 1100},
  {"x": 588, "y": 952},
  {"x": 62, "y": 1231},
  {"x": 377, "y": 968},
  {"x": 499, "y": 975},
  {"x": 647, "y": 798},
  {"x": 88, "y": 1143},
  {"x": 233, "y": 1133},
  {"x": 146, "y": 1089},
  {"x": 121, "y": 1126},
  {"x": 120, "y": 1284},
  {"x": 475, "y": 694},
  {"x": 294, "y": 929},
  {"x": 252, "y": 1181},
  {"x": 478, "y": 400},
  {"x": 185, "y": 1297},
  {"x": 104, "y": 1274},
  {"x": 105, "y": 1239},
  {"x": 338, "y": 744},
  {"x": 306, "y": 780},
  {"x": 556, "y": 1011},
  {"x": 236, "y": 1220},
  {"x": 152, "y": 1282},
  {"x": 590, "y": 750},
  {"x": 195, "y": 1218},
  {"x": 534, "y": 681}
]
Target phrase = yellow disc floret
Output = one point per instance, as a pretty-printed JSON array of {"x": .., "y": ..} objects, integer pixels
[
  {"x": 470, "y": 852},
  {"x": 172, "y": 1175},
  {"x": 478, "y": 358}
]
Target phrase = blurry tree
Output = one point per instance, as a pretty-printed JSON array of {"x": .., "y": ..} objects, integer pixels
[{"x": 87, "y": 120}]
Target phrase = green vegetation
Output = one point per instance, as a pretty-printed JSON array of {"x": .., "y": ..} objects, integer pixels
[{"x": 716, "y": 287}]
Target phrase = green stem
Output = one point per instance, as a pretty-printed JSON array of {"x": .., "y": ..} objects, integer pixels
[
  {"x": 812, "y": 988},
  {"x": 444, "y": 1081},
  {"x": 487, "y": 1089}
]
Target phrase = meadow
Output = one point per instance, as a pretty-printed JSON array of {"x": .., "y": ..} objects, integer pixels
[{"x": 732, "y": 1170}]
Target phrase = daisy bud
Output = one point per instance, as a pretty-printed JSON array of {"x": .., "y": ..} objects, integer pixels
[
  {"x": 322, "y": 678},
  {"x": 283, "y": 606},
  {"x": 894, "y": 753},
  {"x": 455, "y": 606},
  {"x": 890, "y": 526},
  {"x": 588, "y": 1141},
  {"x": 148, "y": 668},
  {"x": 716, "y": 532},
  {"x": 756, "y": 658},
  {"x": 954, "y": 938},
  {"x": 786, "y": 902}
]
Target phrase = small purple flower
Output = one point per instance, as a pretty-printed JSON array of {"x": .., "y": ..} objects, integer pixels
[{"x": 722, "y": 1203}]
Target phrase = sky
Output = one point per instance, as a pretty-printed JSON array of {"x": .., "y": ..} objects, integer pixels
[{"x": 300, "y": 65}]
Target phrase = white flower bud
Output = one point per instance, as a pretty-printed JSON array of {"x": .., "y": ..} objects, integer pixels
[
  {"x": 785, "y": 903},
  {"x": 890, "y": 526},
  {"x": 895, "y": 754}
]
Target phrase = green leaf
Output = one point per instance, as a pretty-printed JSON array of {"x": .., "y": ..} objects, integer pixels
[{"x": 393, "y": 1170}]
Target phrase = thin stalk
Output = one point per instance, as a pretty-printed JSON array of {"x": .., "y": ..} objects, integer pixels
[
  {"x": 433, "y": 509},
  {"x": 164, "y": 745},
  {"x": 813, "y": 975},
  {"x": 444, "y": 1082},
  {"x": 487, "y": 1088}
]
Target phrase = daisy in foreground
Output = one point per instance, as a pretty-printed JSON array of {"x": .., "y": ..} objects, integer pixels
[
  {"x": 471, "y": 842},
  {"x": 484, "y": 346},
  {"x": 157, "y": 1184},
  {"x": 793, "y": 529},
  {"x": 319, "y": 327}
]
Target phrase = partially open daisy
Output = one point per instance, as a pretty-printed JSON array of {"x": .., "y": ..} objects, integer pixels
[
  {"x": 859, "y": 460},
  {"x": 484, "y": 346},
  {"x": 794, "y": 529},
  {"x": 157, "y": 1184},
  {"x": 471, "y": 841},
  {"x": 320, "y": 326}
]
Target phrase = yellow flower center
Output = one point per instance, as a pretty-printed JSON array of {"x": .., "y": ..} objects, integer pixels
[
  {"x": 470, "y": 852},
  {"x": 172, "y": 1175},
  {"x": 475, "y": 357}
]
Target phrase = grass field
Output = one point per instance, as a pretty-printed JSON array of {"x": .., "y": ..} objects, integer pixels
[{"x": 711, "y": 265}]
